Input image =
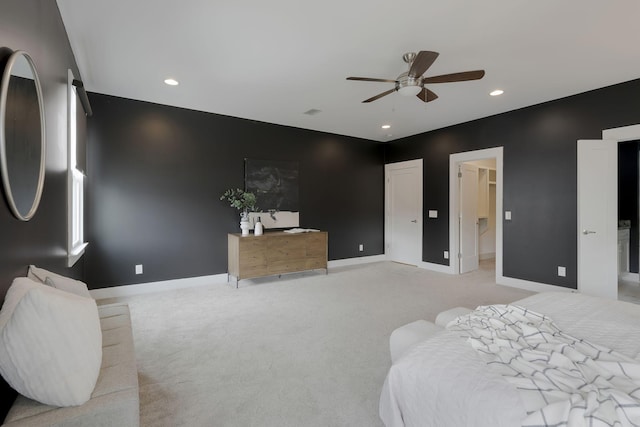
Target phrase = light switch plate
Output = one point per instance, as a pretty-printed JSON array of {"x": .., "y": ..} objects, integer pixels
[
  {"x": 433, "y": 214},
  {"x": 507, "y": 215},
  {"x": 446, "y": 254},
  {"x": 138, "y": 268}
]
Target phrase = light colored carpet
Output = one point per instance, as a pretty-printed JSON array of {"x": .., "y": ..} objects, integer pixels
[{"x": 303, "y": 350}]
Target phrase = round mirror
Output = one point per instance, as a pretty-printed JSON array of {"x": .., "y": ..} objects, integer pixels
[{"x": 22, "y": 142}]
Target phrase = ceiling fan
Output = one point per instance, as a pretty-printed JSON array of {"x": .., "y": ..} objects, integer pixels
[{"x": 412, "y": 82}]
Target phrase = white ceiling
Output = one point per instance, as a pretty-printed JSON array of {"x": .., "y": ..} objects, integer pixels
[{"x": 272, "y": 61}]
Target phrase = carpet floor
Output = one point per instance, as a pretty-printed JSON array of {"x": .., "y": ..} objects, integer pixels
[{"x": 305, "y": 349}]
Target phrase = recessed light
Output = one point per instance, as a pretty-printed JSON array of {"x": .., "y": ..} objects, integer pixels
[
  {"x": 171, "y": 82},
  {"x": 386, "y": 126},
  {"x": 496, "y": 92}
]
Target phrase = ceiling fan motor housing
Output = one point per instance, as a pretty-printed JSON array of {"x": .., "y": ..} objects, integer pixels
[{"x": 408, "y": 85}]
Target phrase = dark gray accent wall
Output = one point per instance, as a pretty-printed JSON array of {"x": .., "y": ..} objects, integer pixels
[
  {"x": 36, "y": 27},
  {"x": 156, "y": 174},
  {"x": 540, "y": 182},
  {"x": 628, "y": 195}
]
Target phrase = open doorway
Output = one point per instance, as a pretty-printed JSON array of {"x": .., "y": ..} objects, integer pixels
[
  {"x": 605, "y": 271},
  {"x": 475, "y": 224},
  {"x": 628, "y": 221},
  {"x": 483, "y": 237}
]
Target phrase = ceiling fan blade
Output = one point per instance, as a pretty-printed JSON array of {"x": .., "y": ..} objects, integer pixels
[
  {"x": 380, "y": 95},
  {"x": 422, "y": 62},
  {"x": 426, "y": 95},
  {"x": 455, "y": 77},
  {"x": 368, "y": 79}
]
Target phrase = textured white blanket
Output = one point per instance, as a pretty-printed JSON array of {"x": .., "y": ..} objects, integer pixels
[{"x": 562, "y": 380}]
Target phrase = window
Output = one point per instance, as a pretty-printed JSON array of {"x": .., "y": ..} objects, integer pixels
[{"x": 75, "y": 172}]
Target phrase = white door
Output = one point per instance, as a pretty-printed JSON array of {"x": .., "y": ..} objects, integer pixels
[
  {"x": 403, "y": 214},
  {"x": 597, "y": 217},
  {"x": 468, "y": 179}
]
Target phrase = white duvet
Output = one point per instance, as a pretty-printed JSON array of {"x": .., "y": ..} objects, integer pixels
[{"x": 444, "y": 382}]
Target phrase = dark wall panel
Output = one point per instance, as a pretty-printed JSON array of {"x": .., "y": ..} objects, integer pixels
[
  {"x": 156, "y": 174},
  {"x": 539, "y": 175},
  {"x": 36, "y": 27}
]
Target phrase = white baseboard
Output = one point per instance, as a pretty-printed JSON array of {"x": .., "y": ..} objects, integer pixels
[
  {"x": 355, "y": 261},
  {"x": 168, "y": 285},
  {"x": 531, "y": 286},
  {"x": 631, "y": 277},
  {"x": 150, "y": 287},
  {"x": 436, "y": 267},
  {"x": 487, "y": 255}
]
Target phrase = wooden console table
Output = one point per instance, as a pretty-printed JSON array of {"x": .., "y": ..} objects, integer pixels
[{"x": 275, "y": 252}]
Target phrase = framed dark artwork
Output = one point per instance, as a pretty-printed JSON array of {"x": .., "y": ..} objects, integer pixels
[{"x": 275, "y": 184}]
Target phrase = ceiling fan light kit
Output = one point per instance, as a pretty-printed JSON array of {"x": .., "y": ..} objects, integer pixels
[
  {"x": 411, "y": 83},
  {"x": 408, "y": 86}
]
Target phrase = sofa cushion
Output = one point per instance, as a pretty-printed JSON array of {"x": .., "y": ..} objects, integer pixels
[
  {"x": 58, "y": 281},
  {"x": 50, "y": 343}
]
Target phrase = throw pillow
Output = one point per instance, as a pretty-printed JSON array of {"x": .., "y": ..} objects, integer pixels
[
  {"x": 50, "y": 343},
  {"x": 58, "y": 281},
  {"x": 69, "y": 285}
]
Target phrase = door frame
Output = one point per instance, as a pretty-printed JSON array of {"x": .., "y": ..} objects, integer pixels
[
  {"x": 615, "y": 135},
  {"x": 417, "y": 163},
  {"x": 454, "y": 204}
]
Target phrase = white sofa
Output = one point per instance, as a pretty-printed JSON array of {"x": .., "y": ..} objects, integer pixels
[{"x": 114, "y": 401}]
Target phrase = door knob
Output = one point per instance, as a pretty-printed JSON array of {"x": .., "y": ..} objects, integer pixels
[
  {"x": 415, "y": 221},
  {"x": 588, "y": 232}
]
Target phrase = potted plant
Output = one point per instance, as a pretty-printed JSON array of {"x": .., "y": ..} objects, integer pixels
[{"x": 245, "y": 202}]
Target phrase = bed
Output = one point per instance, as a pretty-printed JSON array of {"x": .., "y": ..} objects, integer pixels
[{"x": 443, "y": 381}]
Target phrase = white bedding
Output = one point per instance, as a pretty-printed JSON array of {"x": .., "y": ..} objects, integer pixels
[{"x": 444, "y": 382}]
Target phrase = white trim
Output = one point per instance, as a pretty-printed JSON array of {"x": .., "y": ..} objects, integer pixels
[
  {"x": 487, "y": 255},
  {"x": 626, "y": 133},
  {"x": 532, "y": 286},
  {"x": 616, "y": 135},
  {"x": 76, "y": 254},
  {"x": 505, "y": 281},
  {"x": 161, "y": 286},
  {"x": 435, "y": 267},
  {"x": 408, "y": 164},
  {"x": 454, "y": 160},
  {"x": 356, "y": 261},
  {"x": 630, "y": 277},
  {"x": 75, "y": 206},
  {"x": 190, "y": 282}
]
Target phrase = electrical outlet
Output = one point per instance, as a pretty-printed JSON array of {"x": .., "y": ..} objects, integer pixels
[
  {"x": 138, "y": 268},
  {"x": 361, "y": 247},
  {"x": 507, "y": 215},
  {"x": 446, "y": 254},
  {"x": 562, "y": 271}
]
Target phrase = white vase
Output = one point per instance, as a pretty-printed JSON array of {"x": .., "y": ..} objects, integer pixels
[
  {"x": 244, "y": 223},
  {"x": 258, "y": 230}
]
